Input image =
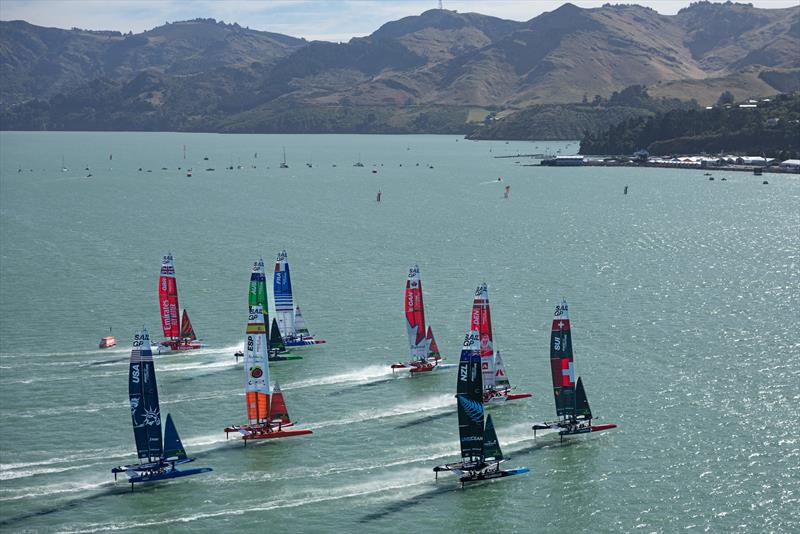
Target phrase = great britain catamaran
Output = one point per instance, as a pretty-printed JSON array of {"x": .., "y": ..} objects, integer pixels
[
  {"x": 295, "y": 333},
  {"x": 157, "y": 457},
  {"x": 425, "y": 355},
  {"x": 572, "y": 406},
  {"x": 496, "y": 386},
  {"x": 481, "y": 455},
  {"x": 179, "y": 331},
  {"x": 267, "y": 415}
]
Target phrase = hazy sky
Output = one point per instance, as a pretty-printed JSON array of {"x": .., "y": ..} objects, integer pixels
[{"x": 331, "y": 20}]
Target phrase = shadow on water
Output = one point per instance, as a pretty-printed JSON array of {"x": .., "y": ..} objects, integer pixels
[
  {"x": 69, "y": 505},
  {"x": 404, "y": 504},
  {"x": 426, "y": 419},
  {"x": 359, "y": 387},
  {"x": 107, "y": 362}
]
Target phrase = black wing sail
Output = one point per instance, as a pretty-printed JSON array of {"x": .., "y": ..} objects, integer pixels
[
  {"x": 581, "y": 402},
  {"x": 275, "y": 339},
  {"x": 173, "y": 447},
  {"x": 143, "y": 396},
  {"x": 491, "y": 446},
  {"x": 561, "y": 362},
  {"x": 469, "y": 396}
]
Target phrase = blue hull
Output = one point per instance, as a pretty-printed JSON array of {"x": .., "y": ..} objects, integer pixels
[
  {"x": 301, "y": 342},
  {"x": 166, "y": 476}
]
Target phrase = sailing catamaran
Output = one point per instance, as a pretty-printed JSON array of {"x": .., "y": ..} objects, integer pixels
[
  {"x": 267, "y": 418},
  {"x": 425, "y": 355},
  {"x": 180, "y": 332},
  {"x": 496, "y": 386},
  {"x": 572, "y": 406},
  {"x": 285, "y": 310},
  {"x": 157, "y": 457},
  {"x": 481, "y": 455}
]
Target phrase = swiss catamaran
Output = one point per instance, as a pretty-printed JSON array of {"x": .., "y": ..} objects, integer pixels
[
  {"x": 481, "y": 455},
  {"x": 180, "y": 332},
  {"x": 267, "y": 418},
  {"x": 572, "y": 406},
  {"x": 425, "y": 355},
  {"x": 285, "y": 311},
  {"x": 157, "y": 457},
  {"x": 496, "y": 386}
]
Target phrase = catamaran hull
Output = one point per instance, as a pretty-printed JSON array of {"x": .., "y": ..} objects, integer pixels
[
  {"x": 302, "y": 342},
  {"x": 495, "y": 474},
  {"x": 499, "y": 399},
  {"x": 566, "y": 432},
  {"x": 433, "y": 368},
  {"x": 182, "y": 345},
  {"x": 283, "y": 358},
  {"x": 153, "y": 477},
  {"x": 275, "y": 434}
]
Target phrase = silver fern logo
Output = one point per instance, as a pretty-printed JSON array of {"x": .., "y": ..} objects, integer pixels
[{"x": 472, "y": 408}]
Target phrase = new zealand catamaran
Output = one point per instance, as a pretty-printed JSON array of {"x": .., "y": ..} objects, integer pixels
[
  {"x": 267, "y": 417},
  {"x": 157, "y": 457},
  {"x": 496, "y": 386},
  {"x": 572, "y": 406},
  {"x": 179, "y": 330},
  {"x": 425, "y": 355},
  {"x": 294, "y": 331},
  {"x": 481, "y": 455}
]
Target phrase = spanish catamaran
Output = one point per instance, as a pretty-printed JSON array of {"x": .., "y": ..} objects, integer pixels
[
  {"x": 285, "y": 310},
  {"x": 572, "y": 406},
  {"x": 496, "y": 386},
  {"x": 157, "y": 457},
  {"x": 425, "y": 355},
  {"x": 267, "y": 418},
  {"x": 481, "y": 455},
  {"x": 180, "y": 333}
]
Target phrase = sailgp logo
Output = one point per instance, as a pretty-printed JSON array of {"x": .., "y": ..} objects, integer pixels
[{"x": 472, "y": 408}]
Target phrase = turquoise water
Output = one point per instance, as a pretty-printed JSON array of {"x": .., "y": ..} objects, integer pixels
[{"x": 684, "y": 306}]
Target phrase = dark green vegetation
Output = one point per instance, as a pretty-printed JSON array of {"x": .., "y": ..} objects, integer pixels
[
  {"x": 773, "y": 128},
  {"x": 426, "y": 73}
]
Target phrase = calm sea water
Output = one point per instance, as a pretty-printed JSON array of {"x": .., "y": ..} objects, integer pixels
[{"x": 684, "y": 300}]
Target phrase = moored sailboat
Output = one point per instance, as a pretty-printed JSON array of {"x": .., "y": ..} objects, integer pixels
[
  {"x": 420, "y": 340},
  {"x": 157, "y": 457},
  {"x": 180, "y": 336},
  {"x": 285, "y": 308},
  {"x": 267, "y": 418},
  {"x": 572, "y": 406},
  {"x": 496, "y": 385},
  {"x": 481, "y": 455}
]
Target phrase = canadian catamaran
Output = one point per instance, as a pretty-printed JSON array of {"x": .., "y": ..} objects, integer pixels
[
  {"x": 179, "y": 331},
  {"x": 572, "y": 406},
  {"x": 481, "y": 455},
  {"x": 496, "y": 386},
  {"x": 157, "y": 457},
  {"x": 425, "y": 355},
  {"x": 285, "y": 311},
  {"x": 267, "y": 417}
]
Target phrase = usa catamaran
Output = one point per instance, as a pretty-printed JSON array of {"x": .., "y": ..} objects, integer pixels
[
  {"x": 157, "y": 457},
  {"x": 267, "y": 418},
  {"x": 285, "y": 311},
  {"x": 425, "y": 355},
  {"x": 179, "y": 331},
  {"x": 481, "y": 455},
  {"x": 496, "y": 386},
  {"x": 572, "y": 406}
]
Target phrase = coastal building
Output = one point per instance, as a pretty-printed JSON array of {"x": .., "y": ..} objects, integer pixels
[
  {"x": 563, "y": 161},
  {"x": 791, "y": 164},
  {"x": 755, "y": 161}
]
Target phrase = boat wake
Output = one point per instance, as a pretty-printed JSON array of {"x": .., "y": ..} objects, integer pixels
[
  {"x": 438, "y": 402},
  {"x": 365, "y": 374}
]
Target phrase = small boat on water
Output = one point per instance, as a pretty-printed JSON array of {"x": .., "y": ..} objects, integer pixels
[
  {"x": 179, "y": 331},
  {"x": 481, "y": 454},
  {"x": 267, "y": 415},
  {"x": 285, "y": 311},
  {"x": 108, "y": 341},
  {"x": 420, "y": 340},
  {"x": 158, "y": 457},
  {"x": 572, "y": 406},
  {"x": 284, "y": 165},
  {"x": 496, "y": 385}
]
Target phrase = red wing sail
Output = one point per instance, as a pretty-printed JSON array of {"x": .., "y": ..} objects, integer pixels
[
  {"x": 561, "y": 362},
  {"x": 433, "y": 348},
  {"x": 168, "y": 298},
  {"x": 277, "y": 407},
  {"x": 481, "y": 321},
  {"x": 187, "y": 332},
  {"x": 415, "y": 316}
]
